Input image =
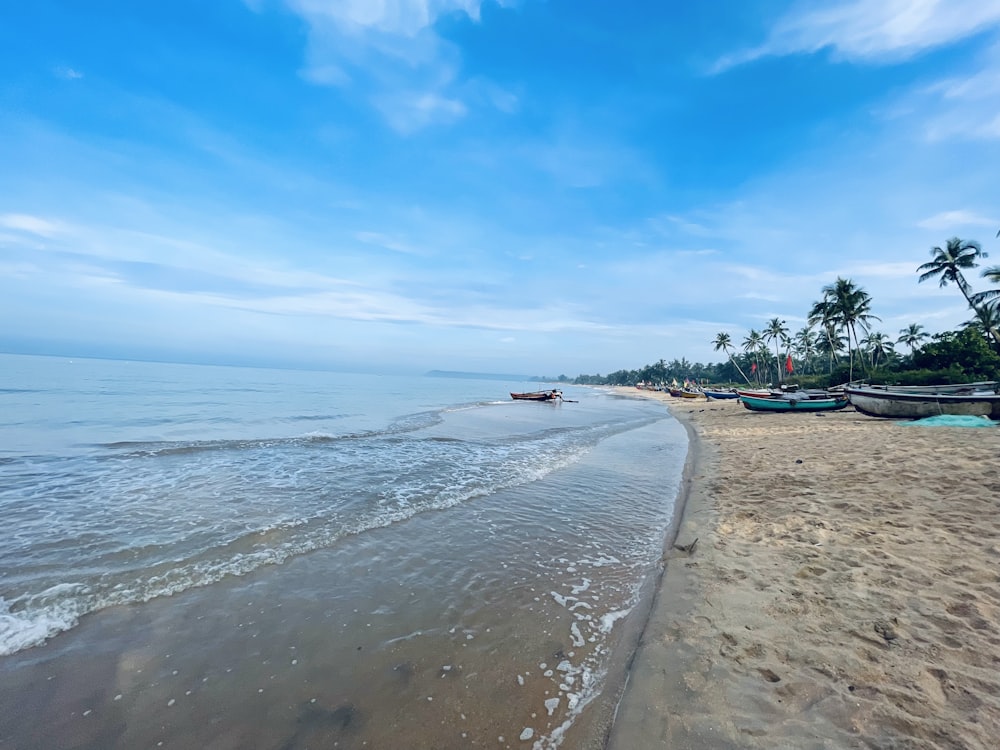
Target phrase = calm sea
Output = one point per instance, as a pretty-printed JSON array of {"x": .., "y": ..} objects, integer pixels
[{"x": 221, "y": 557}]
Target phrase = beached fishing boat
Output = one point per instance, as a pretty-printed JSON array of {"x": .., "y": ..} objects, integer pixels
[
  {"x": 796, "y": 394},
  {"x": 896, "y": 404},
  {"x": 959, "y": 389},
  {"x": 757, "y": 392},
  {"x": 537, "y": 396},
  {"x": 720, "y": 394},
  {"x": 790, "y": 402},
  {"x": 691, "y": 394}
]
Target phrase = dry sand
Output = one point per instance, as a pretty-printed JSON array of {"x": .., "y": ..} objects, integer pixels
[{"x": 844, "y": 591}]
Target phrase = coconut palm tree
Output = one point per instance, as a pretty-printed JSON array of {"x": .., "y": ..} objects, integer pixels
[
  {"x": 751, "y": 345},
  {"x": 947, "y": 264},
  {"x": 993, "y": 275},
  {"x": 830, "y": 345},
  {"x": 987, "y": 320},
  {"x": 724, "y": 342},
  {"x": 878, "y": 347},
  {"x": 912, "y": 336},
  {"x": 805, "y": 346},
  {"x": 822, "y": 314},
  {"x": 777, "y": 332},
  {"x": 850, "y": 308}
]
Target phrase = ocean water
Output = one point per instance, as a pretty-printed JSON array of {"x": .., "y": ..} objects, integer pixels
[{"x": 234, "y": 557}]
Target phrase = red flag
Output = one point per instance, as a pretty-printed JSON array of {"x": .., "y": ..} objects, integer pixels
[
  {"x": 788, "y": 364},
  {"x": 753, "y": 367}
]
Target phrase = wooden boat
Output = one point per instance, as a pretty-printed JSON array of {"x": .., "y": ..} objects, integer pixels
[
  {"x": 537, "y": 396},
  {"x": 720, "y": 394},
  {"x": 790, "y": 402},
  {"x": 958, "y": 389},
  {"x": 876, "y": 402},
  {"x": 757, "y": 393},
  {"x": 810, "y": 393},
  {"x": 691, "y": 394}
]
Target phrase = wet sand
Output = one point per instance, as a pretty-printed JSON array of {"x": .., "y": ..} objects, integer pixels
[{"x": 844, "y": 591}]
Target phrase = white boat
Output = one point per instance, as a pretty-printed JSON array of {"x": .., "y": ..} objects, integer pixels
[
  {"x": 951, "y": 388},
  {"x": 914, "y": 404}
]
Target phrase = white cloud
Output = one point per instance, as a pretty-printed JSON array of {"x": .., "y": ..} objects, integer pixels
[
  {"x": 30, "y": 224},
  {"x": 380, "y": 239},
  {"x": 861, "y": 30},
  {"x": 389, "y": 50},
  {"x": 949, "y": 220},
  {"x": 409, "y": 112},
  {"x": 984, "y": 84},
  {"x": 68, "y": 73},
  {"x": 398, "y": 17},
  {"x": 965, "y": 107}
]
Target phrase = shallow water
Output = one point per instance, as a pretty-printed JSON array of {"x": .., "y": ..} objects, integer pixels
[{"x": 362, "y": 562}]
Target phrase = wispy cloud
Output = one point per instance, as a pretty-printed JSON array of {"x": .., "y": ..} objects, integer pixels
[
  {"x": 960, "y": 107},
  {"x": 31, "y": 224},
  {"x": 391, "y": 53},
  {"x": 67, "y": 73},
  {"x": 380, "y": 239},
  {"x": 873, "y": 32},
  {"x": 409, "y": 111},
  {"x": 949, "y": 220},
  {"x": 402, "y": 18}
]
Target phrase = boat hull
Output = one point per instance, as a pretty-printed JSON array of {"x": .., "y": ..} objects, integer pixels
[
  {"x": 536, "y": 396},
  {"x": 953, "y": 389},
  {"x": 758, "y": 393},
  {"x": 721, "y": 394},
  {"x": 784, "y": 404},
  {"x": 909, "y": 405}
]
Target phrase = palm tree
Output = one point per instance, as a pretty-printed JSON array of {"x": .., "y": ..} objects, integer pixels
[
  {"x": 991, "y": 274},
  {"x": 830, "y": 345},
  {"x": 752, "y": 344},
  {"x": 849, "y": 308},
  {"x": 724, "y": 342},
  {"x": 878, "y": 346},
  {"x": 822, "y": 314},
  {"x": 777, "y": 332},
  {"x": 948, "y": 264},
  {"x": 987, "y": 320},
  {"x": 805, "y": 346},
  {"x": 912, "y": 336}
]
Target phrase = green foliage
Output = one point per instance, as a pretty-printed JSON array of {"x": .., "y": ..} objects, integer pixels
[{"x": 966, "y": 350}]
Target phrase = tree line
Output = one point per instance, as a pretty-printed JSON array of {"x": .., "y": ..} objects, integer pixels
[{"x": 840, "y": 343}]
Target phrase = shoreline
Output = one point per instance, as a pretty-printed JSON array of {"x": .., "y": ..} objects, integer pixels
[
  {"x": 844, "y": 591},
  {"x": 648, "y": 692}
]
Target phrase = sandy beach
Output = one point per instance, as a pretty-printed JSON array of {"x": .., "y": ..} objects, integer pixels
[{"x": 844, "y": 590}]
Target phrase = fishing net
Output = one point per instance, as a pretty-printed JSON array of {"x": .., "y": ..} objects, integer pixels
[{"x": 951, "y": 420}]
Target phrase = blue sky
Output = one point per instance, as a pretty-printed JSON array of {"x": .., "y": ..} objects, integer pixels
[{"x": 525, "y": 186}]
